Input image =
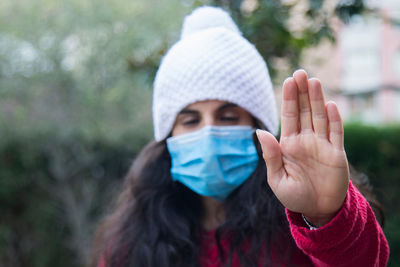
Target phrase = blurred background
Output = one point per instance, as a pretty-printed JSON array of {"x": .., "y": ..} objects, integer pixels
[{"x": 75, "y": 102}]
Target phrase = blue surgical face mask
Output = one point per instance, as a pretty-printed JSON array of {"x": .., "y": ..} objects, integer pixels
[{"x": 215, "y": 160}]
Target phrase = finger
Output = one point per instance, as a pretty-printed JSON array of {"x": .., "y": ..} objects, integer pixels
[
  {"x": 335, "y": 125},
  {"x": 290, "y": 108},
  {"x": 273, "y": 157},
  {"x": 318, "y": 110},
  {"x": 301, "y": 79}
]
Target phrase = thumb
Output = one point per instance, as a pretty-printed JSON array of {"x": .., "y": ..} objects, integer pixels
[{"x": 272, "y": 155}]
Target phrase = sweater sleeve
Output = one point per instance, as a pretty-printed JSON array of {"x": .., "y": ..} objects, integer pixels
[{"x": 352, "y": 238}]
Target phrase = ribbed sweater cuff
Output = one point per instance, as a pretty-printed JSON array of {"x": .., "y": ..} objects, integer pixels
[{"x": 344, "y": 226}]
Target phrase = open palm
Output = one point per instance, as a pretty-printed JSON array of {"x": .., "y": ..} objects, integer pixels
[{"x": 307, "y": 169}]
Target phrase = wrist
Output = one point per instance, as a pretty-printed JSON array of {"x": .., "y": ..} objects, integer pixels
[
  {"x": 319, "y": 221},
  {"x": 309, "y": 225}
]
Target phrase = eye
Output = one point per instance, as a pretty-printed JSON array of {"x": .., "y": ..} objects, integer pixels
[
  {"x": 190, "y": 121},
  {"x": 229, "y": 116}
]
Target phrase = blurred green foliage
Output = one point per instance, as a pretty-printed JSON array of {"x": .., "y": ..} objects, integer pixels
[
  {"x": 81, "y": 66},
  {"x": 52, "y": 191},
  {"x": 75, "y": 108},
  {"x": 375, "y": 151}
]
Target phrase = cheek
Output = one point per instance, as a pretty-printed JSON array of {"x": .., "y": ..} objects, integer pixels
[
  {"x": 181, "y": 129},
  {"x": 176, "y": 130},
  {"x": 247, "y": 119}
]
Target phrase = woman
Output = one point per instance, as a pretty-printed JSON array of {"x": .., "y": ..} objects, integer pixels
[{"x": 208, "y": 192}]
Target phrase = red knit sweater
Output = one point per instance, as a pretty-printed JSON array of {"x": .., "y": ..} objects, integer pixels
[{"x": 353, "y": 238}]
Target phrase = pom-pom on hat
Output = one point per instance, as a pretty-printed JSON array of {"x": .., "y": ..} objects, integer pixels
[{"x": 212, "y": 61}]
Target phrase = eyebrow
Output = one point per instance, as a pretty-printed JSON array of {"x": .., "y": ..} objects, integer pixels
[
  {"x": 227, "y": 105},
  {"x": 188, "y": 111},
  {"x": 222, "y": 107}
]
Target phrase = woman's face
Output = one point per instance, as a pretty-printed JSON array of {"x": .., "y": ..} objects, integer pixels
[{"x": 210, "y": 112}]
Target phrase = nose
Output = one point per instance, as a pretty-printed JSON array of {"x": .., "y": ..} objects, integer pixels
[{"x": 208, "y": 120}]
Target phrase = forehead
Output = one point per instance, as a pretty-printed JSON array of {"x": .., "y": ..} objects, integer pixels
[{"x": 207, "y": 105}]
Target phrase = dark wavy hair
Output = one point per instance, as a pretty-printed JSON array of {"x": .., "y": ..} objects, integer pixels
[{"x": 157, "y": 222}]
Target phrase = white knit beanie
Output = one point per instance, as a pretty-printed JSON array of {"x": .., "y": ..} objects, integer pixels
[{"x": 212, "y": 61}]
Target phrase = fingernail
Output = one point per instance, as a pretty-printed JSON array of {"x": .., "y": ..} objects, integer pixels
[{"x": 259, "y": 132}]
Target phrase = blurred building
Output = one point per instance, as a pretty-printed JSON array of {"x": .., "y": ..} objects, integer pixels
[{"x": 361, "y": 71}]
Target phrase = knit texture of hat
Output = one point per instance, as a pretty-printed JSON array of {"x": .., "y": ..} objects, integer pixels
[{"x": 212, "y": 61}]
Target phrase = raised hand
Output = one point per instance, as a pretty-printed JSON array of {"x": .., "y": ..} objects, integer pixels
[{"x": 308, "y": 169}]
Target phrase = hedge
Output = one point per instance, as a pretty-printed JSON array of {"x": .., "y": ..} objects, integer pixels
[{"x": 54, "y": 189}]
